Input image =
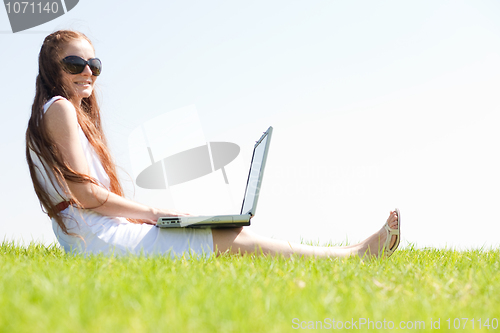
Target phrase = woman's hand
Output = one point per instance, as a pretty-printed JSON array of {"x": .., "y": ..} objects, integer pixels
[
  {"x": 168, "y": 213},
  {"x": 150, "y": 222},
  {"x": 175, "y": 213}
]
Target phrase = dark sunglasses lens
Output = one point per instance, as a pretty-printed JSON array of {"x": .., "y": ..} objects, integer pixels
[
  {"x": 95, "y": 66},
  {"x": 74, "y": 65}
]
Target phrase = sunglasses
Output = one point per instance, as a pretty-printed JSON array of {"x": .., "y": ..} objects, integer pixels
[{"x": 76, "y": 65}]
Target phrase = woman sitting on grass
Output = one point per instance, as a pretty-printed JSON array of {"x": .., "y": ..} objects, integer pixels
[{"x": 76, "y": 182}]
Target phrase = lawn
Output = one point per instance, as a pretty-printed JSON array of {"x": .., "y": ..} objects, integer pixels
[{"x": 45, "y": 290}]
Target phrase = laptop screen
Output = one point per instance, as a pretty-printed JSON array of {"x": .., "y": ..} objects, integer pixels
[{"x": 256, "y": 173}]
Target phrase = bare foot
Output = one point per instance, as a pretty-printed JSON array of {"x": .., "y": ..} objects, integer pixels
[{"x": 371, "y": 246}]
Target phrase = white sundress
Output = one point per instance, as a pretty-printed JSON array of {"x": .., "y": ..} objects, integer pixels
[{"x": 115, "y": 235}]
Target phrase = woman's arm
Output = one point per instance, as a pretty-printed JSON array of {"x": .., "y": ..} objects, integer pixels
[{"x": 62, "y": 126}]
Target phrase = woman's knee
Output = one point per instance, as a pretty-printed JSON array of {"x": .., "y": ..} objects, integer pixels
[
  {"x": 227, "y": 233},
  {"x": 225, "y": 238},
  {"x": 234, "y": 239}
]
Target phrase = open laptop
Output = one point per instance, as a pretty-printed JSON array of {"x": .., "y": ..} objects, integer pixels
[{"x": 250, "y": 199}]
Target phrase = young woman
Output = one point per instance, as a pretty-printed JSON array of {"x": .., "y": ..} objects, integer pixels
[{"x": 75, "y": 178}]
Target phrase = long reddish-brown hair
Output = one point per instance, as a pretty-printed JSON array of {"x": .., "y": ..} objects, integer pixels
[{"x": 49, "y": 83}]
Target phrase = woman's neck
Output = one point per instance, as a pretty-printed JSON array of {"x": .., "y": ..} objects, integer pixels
[{"x": 76, "y": 101}]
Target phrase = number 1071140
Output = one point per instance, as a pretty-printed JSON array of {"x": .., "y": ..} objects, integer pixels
[
  {"x": 26, "y": 7},
  {"x": 463, "y": 323}
]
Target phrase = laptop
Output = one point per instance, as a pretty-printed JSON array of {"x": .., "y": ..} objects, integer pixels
[{"x": 250, "y": 199}]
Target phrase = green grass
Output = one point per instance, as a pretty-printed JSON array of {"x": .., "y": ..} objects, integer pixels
[{"x": 44, "y": 290}]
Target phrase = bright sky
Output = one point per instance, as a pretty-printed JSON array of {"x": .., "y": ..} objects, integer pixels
[{"x": 374, "y": 104}]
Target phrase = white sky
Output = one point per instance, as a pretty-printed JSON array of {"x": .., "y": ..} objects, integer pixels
[{"x": 374, "y": 104}]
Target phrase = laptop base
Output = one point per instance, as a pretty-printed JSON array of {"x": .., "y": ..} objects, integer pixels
[{"x": 218, "y": 221}]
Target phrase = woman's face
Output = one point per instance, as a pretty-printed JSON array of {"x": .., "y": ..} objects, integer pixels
[{"x": 80, "y": 85}]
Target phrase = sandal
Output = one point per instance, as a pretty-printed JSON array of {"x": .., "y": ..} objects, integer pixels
[{"x": 386, "y": 251}]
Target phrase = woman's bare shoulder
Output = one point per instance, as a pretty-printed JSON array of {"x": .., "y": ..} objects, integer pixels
[
  {"x": 61, "y": 120},
  {"x": 61, "y": 105},
  {"x": 61, "y": 111}
]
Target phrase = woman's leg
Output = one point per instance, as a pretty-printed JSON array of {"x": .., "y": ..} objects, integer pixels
[{"x": 244, "y": 241}]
